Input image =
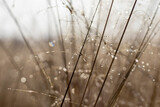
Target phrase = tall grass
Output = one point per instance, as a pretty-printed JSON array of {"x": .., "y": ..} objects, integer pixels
[{"x": 96, "y": 57}]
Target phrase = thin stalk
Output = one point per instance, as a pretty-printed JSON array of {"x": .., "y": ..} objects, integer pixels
[
  {"x": 146, "y": 45},
  {"x": 150, "y": 38},
  {"x": 45, "y": 78},
  {"x": 133, "y": 64},
  {"x": 106, "y": 23},
  {"x": 50, "y": 62},
  {"x": 73, "y": 47},
  {"x": 72, "y": 11},
  {"x": 115, "y": 52},
  {"x": 61, "y": 35},
  {"x": 80, "y": 54},
  {"x": 73, "y": 32},
  {"x": 155, "y": 89},
  {"x": 149, "y": 26},
  {"x": 20, "y": 73},
  {"x": 63, "y": 49},
  {"x": 60, "y": 38},
  {"x": 112, "y": 39},
  {"x": 83, "y": 14},
  {"x": 118, "y": 90}
]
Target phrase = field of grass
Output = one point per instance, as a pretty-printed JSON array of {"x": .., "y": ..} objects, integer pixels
[{"x": 101, "y": 54}]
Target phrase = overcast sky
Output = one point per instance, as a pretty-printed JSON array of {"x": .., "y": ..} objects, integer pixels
[{"x": 33, "y": 14}]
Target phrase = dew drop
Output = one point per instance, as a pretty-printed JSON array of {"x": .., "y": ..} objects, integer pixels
[
  {"x": 136, "y": 60},
  {"x": 55, "y": 78},
  {"x": 23, "y": 80},
  {"x": 86, "y": 100},
  {"x": 64, "y": 69},
  {"x": 147, "y": 64},
  {"x": 153, "y": 80},
  {"x": 51, "y": 44},
  {"x": 84, "y": 76},
  {"x": 47, "y": 52},
  {"x": 126, "y": 12},
  {"x": 73, "y": 90},
  {"x": 111, "y": 77},
  {"x": 60, "y": 68},
  {"x": 112, "y": 56}
]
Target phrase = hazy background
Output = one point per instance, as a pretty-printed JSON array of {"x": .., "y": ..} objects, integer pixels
[{"x": 34, "y": 16}]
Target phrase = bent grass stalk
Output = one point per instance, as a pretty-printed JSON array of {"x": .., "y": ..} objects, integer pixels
[
  {"x": 44, "y": 76},
  {"x": 115, "y": 53},
  {"x": 118, "y": 90},
  {"x": 20, "y": 72},
  {"x": 149, "y": 26},
  {"x": 155, "y": 89},
  {"x": 60, "y": 38},
  {"x": 141, "y": 50},
  {"x": 80, "y": 54},
  {"x": 106, "y": 23},
  {"x": 149, "y": 39}
]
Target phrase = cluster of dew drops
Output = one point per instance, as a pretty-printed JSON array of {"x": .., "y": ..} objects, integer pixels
[{"x": 144, "y": 66}]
